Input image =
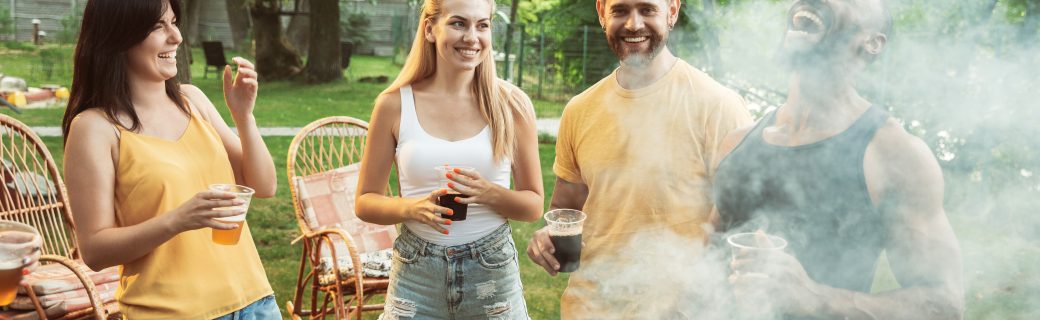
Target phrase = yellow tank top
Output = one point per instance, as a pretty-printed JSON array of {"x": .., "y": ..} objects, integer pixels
[{"x": 188, "y": 277}]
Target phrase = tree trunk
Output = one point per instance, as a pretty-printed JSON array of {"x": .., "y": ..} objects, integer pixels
[
  {"x": 238, "y": 19},
  {"x": 189, "y": 12},
  {"x": 323, "y": 58},
  {"x": 276, "y": 59},
  {"x": 507, "y": 48},
  {"x": 299, "y": 27}
]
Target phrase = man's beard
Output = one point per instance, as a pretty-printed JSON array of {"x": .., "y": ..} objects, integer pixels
[
  {"x": 827, "y": 54},
  {"x": 636, "y": 58}
]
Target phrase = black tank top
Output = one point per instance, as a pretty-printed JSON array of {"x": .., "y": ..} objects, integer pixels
[{"x": 813, "y": 195}]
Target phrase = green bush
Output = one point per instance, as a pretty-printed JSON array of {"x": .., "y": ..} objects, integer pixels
[
  {"x": 20, "y": 46},
  {"x": 354, "y": 28}
]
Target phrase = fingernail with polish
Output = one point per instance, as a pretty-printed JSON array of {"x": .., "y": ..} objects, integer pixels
[
  {"x": 25, "y": 271},
  {"x": 451, "y": 212},
  {"x": 457, "y": 199},
  {"x": 448, "y": 175},
  {"x": 451, "y": 185},
  {"x": 444, "y": 232},
  {"x": 447, "y": 222},
  {"x": 457, "y": 170}
]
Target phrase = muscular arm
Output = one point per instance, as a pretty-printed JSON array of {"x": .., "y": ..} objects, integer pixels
[
  {"x": 568, "y": 195},
  {"x": 906, "y": 182}
]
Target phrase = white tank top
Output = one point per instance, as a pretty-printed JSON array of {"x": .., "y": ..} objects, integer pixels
[{"x": 418, "y": 153}]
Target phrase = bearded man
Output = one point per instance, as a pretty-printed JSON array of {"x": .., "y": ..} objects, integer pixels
[
  {"x": 842, "y": 181},
  {"x": 634, "y": 152}
]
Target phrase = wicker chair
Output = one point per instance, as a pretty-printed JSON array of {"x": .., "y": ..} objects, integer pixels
[
  {"x": 323, "y": 145},
  {"x": 34, "y": 193}
]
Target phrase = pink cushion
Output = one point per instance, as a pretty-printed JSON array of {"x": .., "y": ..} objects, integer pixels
[
  {"x": 55, "y": 278},
  {"x": 69, "y": 300},
  {"x": 327, "y": 199}
]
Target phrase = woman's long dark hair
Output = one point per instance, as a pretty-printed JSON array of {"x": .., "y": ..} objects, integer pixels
[{"x": 99, "y": 77}]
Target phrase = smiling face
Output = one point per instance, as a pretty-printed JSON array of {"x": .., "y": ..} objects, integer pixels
[
  {"x": 155, "y": 58},
  {"x": 461, "y": 33},
  {"x": 637, "y": 29},
  {"x": 824, "y": 33}
]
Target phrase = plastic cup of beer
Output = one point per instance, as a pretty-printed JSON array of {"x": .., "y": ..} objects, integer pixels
[
  {"x": 459, "y": 210},
  {"x": 13, "y": 260},
  {"x": 565, "y": 227},
  {"x": 230, "y": 237}
]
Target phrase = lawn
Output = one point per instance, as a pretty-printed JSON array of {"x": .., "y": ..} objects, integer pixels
[
  {"x": 279, "y": 104},
  {"x": 1000, "y": 271}
]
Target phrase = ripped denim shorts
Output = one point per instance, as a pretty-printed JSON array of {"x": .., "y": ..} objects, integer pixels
[{"x": 477, "y": 280}]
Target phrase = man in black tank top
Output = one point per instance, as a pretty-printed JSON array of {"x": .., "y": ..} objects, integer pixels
[{"x": 840, "y": 181}]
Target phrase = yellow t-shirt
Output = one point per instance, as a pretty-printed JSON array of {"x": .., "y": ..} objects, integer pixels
[
  {"x": 189, "y": 276},
  {"x": 645, "y": 156}
]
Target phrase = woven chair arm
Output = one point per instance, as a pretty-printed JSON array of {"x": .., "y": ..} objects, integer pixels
[
  {"x": 92, "y": 294},
  {"x": 326, "y": 235}
]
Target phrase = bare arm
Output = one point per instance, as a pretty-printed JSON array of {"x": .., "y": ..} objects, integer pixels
[
  {"x": 372, "y": 203},
  {"x": 247, "y": 151},
  {"x": 922, "y": 248},
  {"x": 566, "y": 195},
  {"x": 569, "y": 195},
  {"x": 89, "y": 166}
]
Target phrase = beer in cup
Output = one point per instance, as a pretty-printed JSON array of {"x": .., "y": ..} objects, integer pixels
[
  {"x": 13, "y": 257},
  {"x": 230, "y": 237},
  {"x": 565, "y": 227},
  {"x": 448, "y": 200}
]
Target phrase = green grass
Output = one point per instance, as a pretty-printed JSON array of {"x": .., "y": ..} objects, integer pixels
[{"x": 279, "y": 104}]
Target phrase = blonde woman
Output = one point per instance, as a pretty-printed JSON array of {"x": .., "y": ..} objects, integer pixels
[{"x": 448, "y": 107}]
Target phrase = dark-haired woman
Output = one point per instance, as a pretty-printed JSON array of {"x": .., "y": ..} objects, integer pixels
[{"x": 140, "y": 153}]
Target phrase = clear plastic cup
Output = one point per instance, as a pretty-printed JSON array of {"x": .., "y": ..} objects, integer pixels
[
  {"x": 12, "y": 261},
  {"x": 565, "y": 228},
  {"x": 231, "y": 237}
]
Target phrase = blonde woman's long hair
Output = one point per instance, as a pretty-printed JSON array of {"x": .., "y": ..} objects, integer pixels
[{"x": 496, "y": 103}]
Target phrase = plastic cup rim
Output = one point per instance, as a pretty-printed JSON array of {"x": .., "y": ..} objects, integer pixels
[
  {"x": 448, "y": 166},
  {"x": 22, "y": 227},
  {"x": 551, "y": 222},
  {"x": 247, "y": 190},
  {"x": 781, "y": 246}
]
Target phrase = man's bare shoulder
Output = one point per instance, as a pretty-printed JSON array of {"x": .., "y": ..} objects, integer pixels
[
  {"x": 892, "y": 144},
  {"x": 899, "y": 163}
]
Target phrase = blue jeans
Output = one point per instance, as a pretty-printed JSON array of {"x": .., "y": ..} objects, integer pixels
[
  {"x": 477, "y": 280},
  {"x": 263, "y": 309}
]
